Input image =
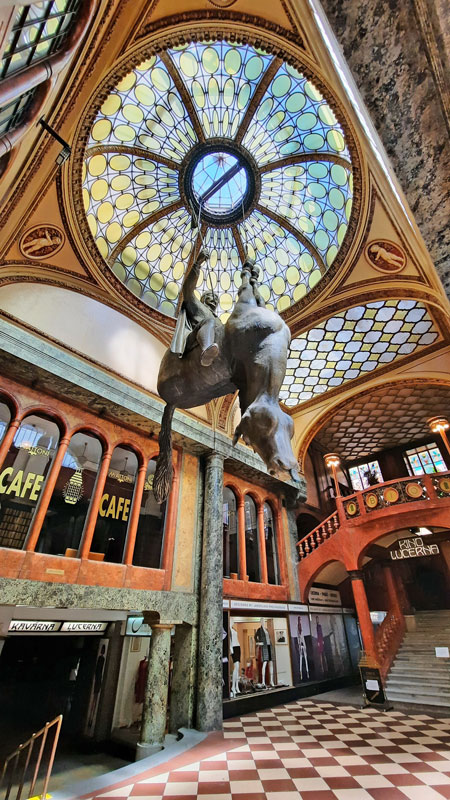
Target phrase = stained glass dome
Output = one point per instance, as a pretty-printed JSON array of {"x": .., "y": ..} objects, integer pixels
[{"x": 224, "y": 145}]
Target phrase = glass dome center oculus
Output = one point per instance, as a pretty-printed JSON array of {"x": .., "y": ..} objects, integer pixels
[{"x": 219, "y": 185}]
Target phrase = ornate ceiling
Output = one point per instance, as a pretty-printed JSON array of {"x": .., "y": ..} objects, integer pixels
[
  {"x": 391, "y": 415},
  {"x": 353, "y": 343},
  {"x": 223, "y": 145}
]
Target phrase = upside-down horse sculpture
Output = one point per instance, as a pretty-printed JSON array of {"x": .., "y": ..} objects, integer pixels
[{"x": 208, "y": 359}]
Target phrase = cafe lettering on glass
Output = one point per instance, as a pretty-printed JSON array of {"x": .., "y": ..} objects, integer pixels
[{"x": 414, "y": 548}]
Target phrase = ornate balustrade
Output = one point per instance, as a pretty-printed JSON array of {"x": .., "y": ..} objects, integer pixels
[
  {"x": 316, "y": 537},
  {"x": 388, "y": 638},
  {"x": 360, "y": 507}
]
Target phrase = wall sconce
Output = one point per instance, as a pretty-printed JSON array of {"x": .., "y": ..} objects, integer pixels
[
  {"x": 440, "y": 425},
  {"x": 64, "y": 154},
  {"x": 332, "y": 461}
]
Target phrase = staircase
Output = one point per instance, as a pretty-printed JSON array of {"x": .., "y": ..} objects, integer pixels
[{"x": 416, "y": 675}]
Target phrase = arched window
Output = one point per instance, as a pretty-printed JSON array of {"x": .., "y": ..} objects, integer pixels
[
  {"x": 5, "y": 419},
  {"x": 251, "y": 540},
  {"x": 114, "y": 511},
  {"x": 230, "y": 534},
  {"x": 38, "y": 30},
  {"x": 22, "y": 477},
  {"x": 273, "y": 567},
  {"x": 64, "y": 522},
  {"x": 150, "y": 531}
]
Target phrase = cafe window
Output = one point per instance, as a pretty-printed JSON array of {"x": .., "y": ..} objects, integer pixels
[
  {"x": 427, "y": 458},
  {"x": 150, "y": 531},
  {"x": 230, "y": 533},
  {"x": 23, "y": 475},
  {"x": 273, "y": 569},
  {"x": 251, "y": 540},
  {"x": 5, "y": 419},
  {"x": 66, "y": 515},
  {"x": 115, "y": 505}
]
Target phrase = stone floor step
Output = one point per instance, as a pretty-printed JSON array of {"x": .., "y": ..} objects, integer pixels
[{"x": 419, "y": 699}]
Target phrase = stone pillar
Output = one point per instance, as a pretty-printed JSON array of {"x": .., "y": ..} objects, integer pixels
[
  {"x": 292, "y": 552},
  {"x": 362, "y": 610},
  {"x": 183, "y": 679},
  {"x": 209, "y": 678},
  {"x": 154, "y": 713}
]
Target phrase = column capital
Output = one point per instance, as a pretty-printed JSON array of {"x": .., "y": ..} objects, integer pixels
[
  {"x": 162, "y": 626},
  {"x": 215, "y": 459},
  {"x": 356, "y": 574}
]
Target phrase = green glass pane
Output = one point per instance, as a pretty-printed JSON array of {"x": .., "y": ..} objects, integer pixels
[
  {"x": 210, "y": 60},
  {"x": 339, "y": 174},
  {"x": 306, "y": 121},
  {"x": 254, "y": 68},
  {"x": 232, "y": 61},
  {"x": 336, "y": 198},
  {"x": 281, "y": 85},
  {"x": 313, "y": 141},
  {"x": 188, "y": 64},
  {"x": 295, "y": 102},
  {"x": 244, "y": 95},
  {"x": 318, "y": 170},
  {"x": 317, "y": 190}
]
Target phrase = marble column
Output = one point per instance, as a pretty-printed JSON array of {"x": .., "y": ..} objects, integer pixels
[
  {"x": 154, "y": 713},
  {"x": 183, "y": 678},
  {"x": 209, "y": 677}
]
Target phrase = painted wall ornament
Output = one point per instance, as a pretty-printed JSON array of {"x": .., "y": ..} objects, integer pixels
[
  {"x": 209, "y": 359},
  {"x": 385, "y": 256},
  {"x": 41, "y": 241}
]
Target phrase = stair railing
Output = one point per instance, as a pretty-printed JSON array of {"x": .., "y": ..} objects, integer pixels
[
  {"x": 24, "y": 763},
  {"x": 388, "y": 638},
  {"x": 318, "y": 535}
]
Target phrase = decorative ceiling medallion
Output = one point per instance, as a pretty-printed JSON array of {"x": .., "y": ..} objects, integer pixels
[
  {"x": 222, "y": 3},
  {"x": 351, "y": 508},
  {"x": 444, "y": 485},
  {"x": 385, "y": 256},
  {"x": 371, "y": 500},
  {"x": 236, "y": 134},
  {"x": 41, "y": 241}
]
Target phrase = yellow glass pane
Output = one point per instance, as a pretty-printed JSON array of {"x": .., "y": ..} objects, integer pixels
[
  {"x": 278, "y": 285},
  {"x": 133, "y": 113},
  {"x": 143, "y": 240},
  {"x": 226, "y": 301},
  {"x": 111, "y": 105},
  {"x": 119, "y": 163},
  {"x": 128, "y": 256},
  {"x": 125, "y": 133},
  {"x": 141, "y": 270},
  {"x": 97, "y": 165},
  {"x": 86, "y": 199},
  {"x": 299, "y": 291},
  {"x": 178, "y": 270},
  {"x": 166, "y": 262},
  {"x": 283, "y": 303},
  {"x": 113, "y": 232},
  {"x": 120, "y": 182},
  {"x": 172, "y": 290},
  {"x": 92, "y": 222},
  {"x": 101, "y": 130},
  {"x": 154, "y": 252},
  {"x": 105, "y": 212},
  {"x": 130, "y": 219},
  {"x": 102, "y": 246},
  {"x": 124, "y": 201},
  {"x": 127, "y": 82},
  {"x": 99, "y": 189},
  {"x": 157, "y": 282},
  {"x": 144, "y": 95}
]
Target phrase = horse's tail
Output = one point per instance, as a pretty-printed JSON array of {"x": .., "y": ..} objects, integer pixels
[{"x": 162, "y": 481}]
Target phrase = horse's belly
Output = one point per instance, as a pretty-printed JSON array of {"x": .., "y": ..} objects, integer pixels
[{"x": 185, "y": 383}]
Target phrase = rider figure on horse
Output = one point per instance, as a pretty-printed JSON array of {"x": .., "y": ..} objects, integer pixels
[{"x": 195, "y": 323}]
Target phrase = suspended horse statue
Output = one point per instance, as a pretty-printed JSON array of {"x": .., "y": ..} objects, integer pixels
[{"x": 208, "y": 359}]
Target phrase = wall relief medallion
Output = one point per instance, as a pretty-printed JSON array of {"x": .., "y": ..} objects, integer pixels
[
  {"x": 41, "y": 241},
  {"x": 385, "y": 256},
  {"x": 222, "y": 3}
]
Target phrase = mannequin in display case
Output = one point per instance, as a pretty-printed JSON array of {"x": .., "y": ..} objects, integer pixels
[
  {"x": 263, "y": 640},
  {"x": 236, "y": 658}
]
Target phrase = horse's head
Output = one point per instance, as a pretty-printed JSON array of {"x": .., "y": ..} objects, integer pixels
[{"x": 269, "y": 430}]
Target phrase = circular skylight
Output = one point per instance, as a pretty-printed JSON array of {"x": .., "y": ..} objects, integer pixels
[{"x": 232, "y": 138}]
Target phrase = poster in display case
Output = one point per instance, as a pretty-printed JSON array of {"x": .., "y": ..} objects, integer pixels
[
  {"x": 303, "y": 668},
  {"x": 330, "y": 650}
]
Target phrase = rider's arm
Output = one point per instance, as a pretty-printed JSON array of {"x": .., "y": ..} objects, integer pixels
[{"x": 190, "y": 281}]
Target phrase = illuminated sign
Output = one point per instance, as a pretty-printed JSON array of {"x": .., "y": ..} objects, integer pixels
[
  {"x": 324, "y": 597},
  {"x": 137, "y": 627},
  {"x": 115, "y": 507},
  {"x": 414, "y": 548}
]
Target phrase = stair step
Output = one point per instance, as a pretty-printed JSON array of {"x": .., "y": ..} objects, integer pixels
[
  {"x": 424, "y": 691},
  {"x": 419, "y": 699},
  {"x": 435, "y": 686}
]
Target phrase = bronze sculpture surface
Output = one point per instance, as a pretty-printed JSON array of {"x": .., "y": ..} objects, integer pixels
[{"x": 248, "y": 354}]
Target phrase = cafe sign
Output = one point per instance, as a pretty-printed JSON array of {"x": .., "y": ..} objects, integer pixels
[{"x": 414, "y": 548}]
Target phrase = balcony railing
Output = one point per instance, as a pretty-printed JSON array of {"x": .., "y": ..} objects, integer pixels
[
  {"x": 358, "y": 507},
  {"x": 388, "y": 638}
]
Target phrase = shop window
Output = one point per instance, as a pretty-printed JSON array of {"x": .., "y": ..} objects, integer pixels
[
  {"x": 114, "y": 512},
  {"x": 64, "y": 522},
  {"x": 5, "y": 419},
  {"x": 150, "y": 531},
  {"x": 230, "y": 534},
  {"x": 251, "y": 540},
  {"x": 23, "y": 475},
  {"x": 427, "y": 458},
  {"x": 365, "y": 475},
  {"x": 38, "y": 31},
  {"x": 273, "y": 567}
]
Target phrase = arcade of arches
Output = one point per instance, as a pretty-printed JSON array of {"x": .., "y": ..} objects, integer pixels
[{"x": 131, "y": 135}]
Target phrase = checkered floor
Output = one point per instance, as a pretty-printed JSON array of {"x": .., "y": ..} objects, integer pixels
[{"x": 308, "y": 750}]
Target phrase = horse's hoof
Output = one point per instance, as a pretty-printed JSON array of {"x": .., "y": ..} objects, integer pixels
[{"x": 209, "y": 355}]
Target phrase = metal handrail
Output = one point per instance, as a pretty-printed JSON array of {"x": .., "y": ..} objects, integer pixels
[{"x": 26, "y": 749}]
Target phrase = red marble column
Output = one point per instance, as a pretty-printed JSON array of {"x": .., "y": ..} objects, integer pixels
[
  {"x": 241, "y": 540},
  {"x": 39, "y": 516},
  {"x": 262, "y": 545},
  {"x": 8, "y": 439},
  {"x": 89, "y": 527},
  {"x": 393, "y": 594},
  {"x": 171, "y": 524},
  {"x": 362, "y": 610},
  {"x": 134, "y": 516}
]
